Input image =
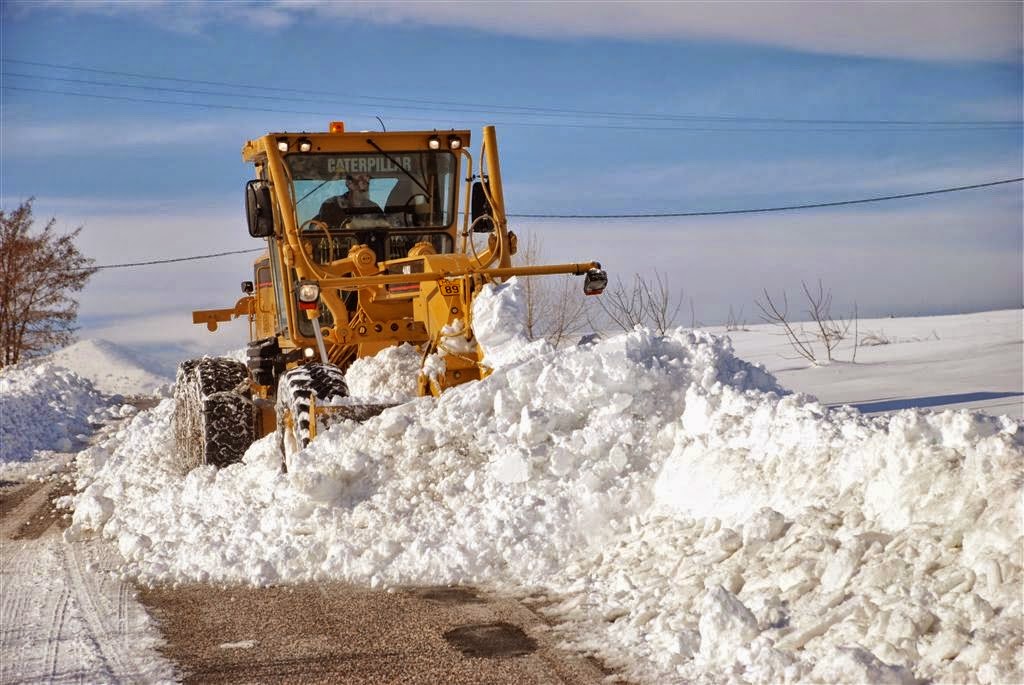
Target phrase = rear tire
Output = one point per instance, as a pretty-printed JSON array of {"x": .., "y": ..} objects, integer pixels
[{"x": 214, "y": 417}]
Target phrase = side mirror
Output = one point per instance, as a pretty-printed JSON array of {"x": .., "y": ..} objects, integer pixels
[
  {"x": 480, "y": 207},
  {"x": 259, "y": 209}
]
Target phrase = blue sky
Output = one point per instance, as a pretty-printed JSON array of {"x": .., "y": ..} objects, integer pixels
[{"x": 155, "y": 180}]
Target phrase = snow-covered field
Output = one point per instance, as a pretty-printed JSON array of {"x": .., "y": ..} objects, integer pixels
[
  {"x": 673, "y": 506},
  {"x": 972, "y": 361}
]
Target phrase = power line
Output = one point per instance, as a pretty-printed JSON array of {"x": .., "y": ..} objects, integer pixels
[
  {"x": 509, "y": 124},
  {"x": 767, "y": 209},
  {"x": 509, "y": 109},
  {"x": 629, "y": 216},
  {"x": 170, "y": 261}
]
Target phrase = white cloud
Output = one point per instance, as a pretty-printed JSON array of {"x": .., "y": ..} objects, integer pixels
[
  {"x": 76, "y": 137},
  {"x": 714, "y": 184},
  {"x": 953, "y": 256},
  {"x": 917, "y": 30},
  {"x": 912, "y": 30},
  {"x": 173, "y": 331}
]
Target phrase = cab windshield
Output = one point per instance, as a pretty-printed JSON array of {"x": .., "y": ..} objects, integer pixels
[{"x": 372, "y": 191}]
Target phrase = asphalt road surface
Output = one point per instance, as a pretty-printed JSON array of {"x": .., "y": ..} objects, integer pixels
[{"x": 90, "y": 622}]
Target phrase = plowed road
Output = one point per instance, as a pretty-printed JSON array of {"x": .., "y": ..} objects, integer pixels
[{"x": 66, "y": 616}]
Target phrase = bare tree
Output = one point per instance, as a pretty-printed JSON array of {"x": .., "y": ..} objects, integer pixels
[
  {"x": 646, "y": 302},
  {"x": 39, "y": 273},
  {"x": 556, "y": 309}
]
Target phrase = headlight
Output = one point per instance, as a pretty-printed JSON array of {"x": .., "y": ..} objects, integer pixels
[
  {"x": 308, "y": 292},
  {"x": 282, "y": 144},
  {"x": 305, "y": 145},
  {"x": 454, "y": 142},
  {"x": 434, "y": 143},
  {"x": 595, "y": 281}
]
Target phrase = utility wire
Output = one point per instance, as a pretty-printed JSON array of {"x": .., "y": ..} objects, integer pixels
[
  {"x": 627, "y": 216},
  {"x": 510, "y": 109},
  {"x": 169, "y": 261},
  {"x": 509, "y": 124},
  {"x": 767, "y": 209}
]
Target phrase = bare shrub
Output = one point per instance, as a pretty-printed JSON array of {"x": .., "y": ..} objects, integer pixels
[
  {"x": 646, "y": 302},
  {"x": 735, "y": 322},
  {"x": 556, "y": 309},
  {"x": 826, "y": 330},
  {"x": 876, "y": 338},
  {"x": 771, "y": 313},
  {"x": 831, "y": 331}
]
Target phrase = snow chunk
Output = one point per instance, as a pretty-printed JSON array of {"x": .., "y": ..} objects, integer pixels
[
  {"x": 725, "y": 625},
  {"x": 855, "y": 665}
]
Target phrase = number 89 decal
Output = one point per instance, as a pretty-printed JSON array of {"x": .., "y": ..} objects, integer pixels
[{"x": 449, "y": 288}]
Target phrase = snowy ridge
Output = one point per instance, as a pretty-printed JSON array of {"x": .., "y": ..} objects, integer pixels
[
  {"x": 111, "y": 368},
  {"x": 692, "y": 522}
]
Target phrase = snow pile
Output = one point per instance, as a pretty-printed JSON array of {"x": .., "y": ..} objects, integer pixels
[
  {"x": 499, "y": 313},
  {"x": 678, "y": 514},
  {"x": 45, "y": 407},
  {"x": 111, "y": 368},
  {"x": 390, "y": 376}
]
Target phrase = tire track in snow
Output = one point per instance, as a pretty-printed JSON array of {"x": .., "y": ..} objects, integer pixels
[
  {"x": 103, "y": 617},
  {"x": 55, "y": 633},
  {"x": 81, "y": 624},
  {"x": 15, "y": 611}
]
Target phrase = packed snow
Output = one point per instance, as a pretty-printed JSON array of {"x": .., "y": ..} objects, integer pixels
[
  {"x": 69, "y": 617},
  {"x": 677, "y": 511}
]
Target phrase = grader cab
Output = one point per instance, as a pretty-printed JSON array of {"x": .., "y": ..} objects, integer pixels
[{"x": 373, "y": 240}]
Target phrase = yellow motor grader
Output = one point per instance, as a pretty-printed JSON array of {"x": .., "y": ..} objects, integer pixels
[{"x": 370, "y": 243}]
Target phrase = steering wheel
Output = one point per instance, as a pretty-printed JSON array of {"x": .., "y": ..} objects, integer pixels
[{"x": 409, "y": 208}]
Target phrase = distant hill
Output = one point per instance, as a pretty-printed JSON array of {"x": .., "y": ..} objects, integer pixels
[{"x": 111, "y": 368}]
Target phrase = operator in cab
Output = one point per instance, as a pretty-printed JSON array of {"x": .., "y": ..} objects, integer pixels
[{"x": 353, "y": 207}]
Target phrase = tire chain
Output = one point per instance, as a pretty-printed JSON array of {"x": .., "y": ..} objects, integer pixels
[
  {"x": 294, "y": 392},
  {"x": 214, "y": 417}
]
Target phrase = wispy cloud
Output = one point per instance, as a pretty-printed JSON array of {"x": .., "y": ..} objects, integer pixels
[
  {"x": 955, "y": 255},
  {"x": 77, "y": 137},
  {"x": 911, "y": 30},
  {"x": 166, "y": 330},
  {"x": 715, "y": 184}
]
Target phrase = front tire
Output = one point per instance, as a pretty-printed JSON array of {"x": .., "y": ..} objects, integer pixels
[{"x": 296, "y": 391}]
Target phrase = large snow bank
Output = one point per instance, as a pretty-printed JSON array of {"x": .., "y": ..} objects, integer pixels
[
  {"x": 45, "y": 407},
  {"x": 677, "y": 513},
  {"x": 111, "y": 368}
]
